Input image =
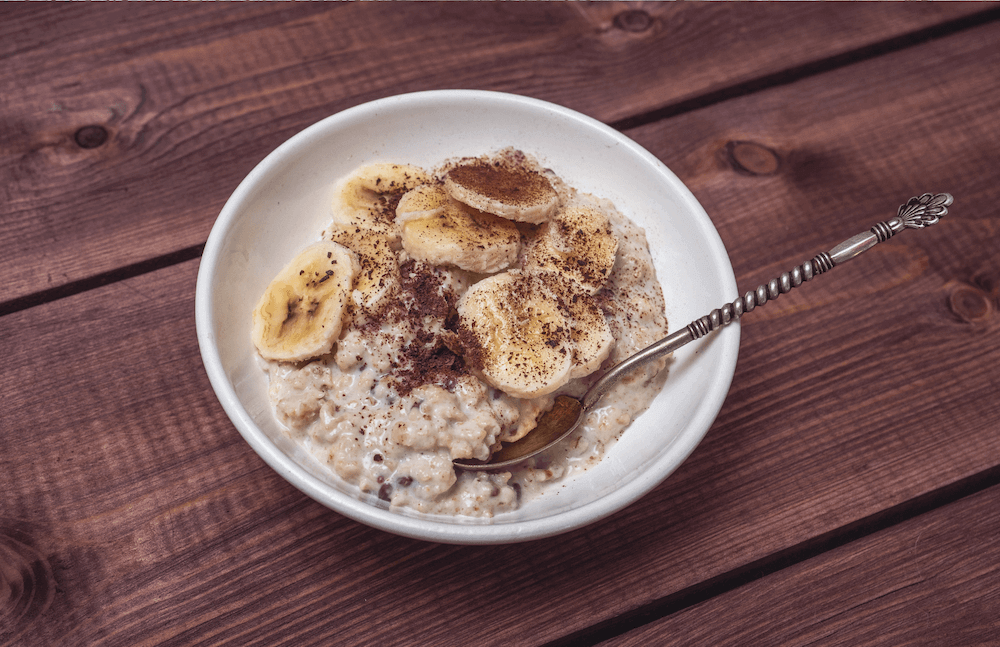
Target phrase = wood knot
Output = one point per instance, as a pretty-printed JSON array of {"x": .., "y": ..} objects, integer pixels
[
  {"x": 91, "y": 136},
  {"x": 749, "y": 158},
  {"x": 633, "y": 20},
  {"x": 970, "y": 304},
  {"x": 27, "y": 586},
  {"x": 986, "y": 282}
]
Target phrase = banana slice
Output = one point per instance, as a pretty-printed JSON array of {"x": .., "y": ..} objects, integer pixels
[
  {"x": 505, "y": 186},
  {"x": 589, "y": 329},
  {"x": 592, "y": 338},
  {"x": 361, "y": 187},
  {"x": 367, "y": 197},
  {"x": 301, "y": 312},
  {"x": 512, "y": 330},
  {"x": 423, "y": 201},
  {"x": 440, "y": 231},
  {"x": 577, "y": 242},
  {"x": 378, "y": 280}
]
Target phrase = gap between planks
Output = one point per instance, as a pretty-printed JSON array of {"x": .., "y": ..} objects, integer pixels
[
  {"x": 797, "y": 73},
  {"x": 759, "y": 84},
  {"x": 761, "y": 568},
  {"x": 802, "y": 552},
  {"x": 98, "y": 280}
]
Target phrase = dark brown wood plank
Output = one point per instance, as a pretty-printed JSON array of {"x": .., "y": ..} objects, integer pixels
[
  {"x": 139, "y": 516},
  {"x": 930, "y": 581},
  {"x": 121, "y": 136}
]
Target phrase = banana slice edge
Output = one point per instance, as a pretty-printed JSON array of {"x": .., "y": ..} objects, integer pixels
[{"x": 300, "y": 314}]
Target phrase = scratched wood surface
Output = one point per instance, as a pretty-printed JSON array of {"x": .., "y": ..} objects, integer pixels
[
  {"x": 862, "y": 421},
  {"x": 120, "y": 139}
]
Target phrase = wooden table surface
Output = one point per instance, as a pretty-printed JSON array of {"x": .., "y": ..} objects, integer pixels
[{"x": 847, "y": 494}]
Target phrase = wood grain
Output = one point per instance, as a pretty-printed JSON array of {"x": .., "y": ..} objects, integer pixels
[
  {"x": 121, "y": 138},
  {"x": 132, "y": 512},
  {"x": 929, "y": 581},
  {"x": 160, "y": 526}
]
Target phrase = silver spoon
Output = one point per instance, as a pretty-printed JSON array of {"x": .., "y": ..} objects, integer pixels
[{"x": 567, "y": 412}]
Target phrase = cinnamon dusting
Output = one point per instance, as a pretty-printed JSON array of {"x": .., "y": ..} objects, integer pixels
[
  {"x": 430, "y": 357},
  {"x": 504, "y": 181}
]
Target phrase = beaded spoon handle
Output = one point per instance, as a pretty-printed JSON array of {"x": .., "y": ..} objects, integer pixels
[{"x": 567, "y": 413}]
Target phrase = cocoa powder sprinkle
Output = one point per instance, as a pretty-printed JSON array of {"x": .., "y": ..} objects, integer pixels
[
  {"x": 502, "y": 180},
  {"x": 430, "y": 358}
]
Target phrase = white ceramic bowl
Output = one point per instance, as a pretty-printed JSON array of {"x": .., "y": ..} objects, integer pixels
[{"x": 284, "y": 204}]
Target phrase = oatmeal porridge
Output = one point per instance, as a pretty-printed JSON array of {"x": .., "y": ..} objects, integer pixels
[{"x": 440, "y": 314}]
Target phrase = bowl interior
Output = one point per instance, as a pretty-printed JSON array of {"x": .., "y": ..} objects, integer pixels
[{"x": 283, "y": 205}]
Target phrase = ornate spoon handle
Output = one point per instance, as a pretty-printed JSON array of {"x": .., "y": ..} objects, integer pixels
[{"x": 917, "y": 213}]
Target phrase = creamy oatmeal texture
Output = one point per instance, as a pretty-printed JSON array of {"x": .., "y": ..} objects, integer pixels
[{"x": 466, "y": 303}]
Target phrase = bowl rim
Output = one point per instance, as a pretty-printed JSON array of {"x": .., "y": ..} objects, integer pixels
[{"x": 427, "y": 528}]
